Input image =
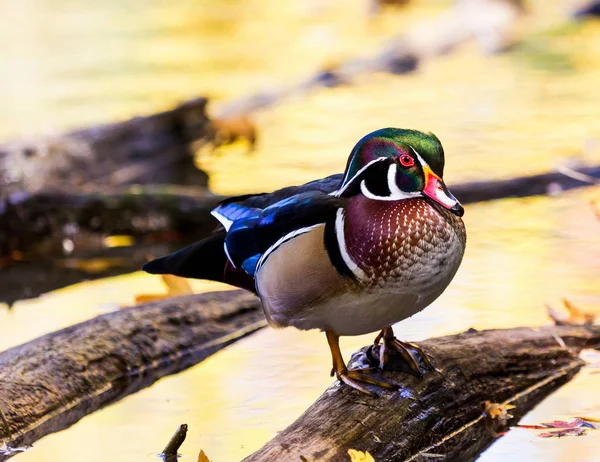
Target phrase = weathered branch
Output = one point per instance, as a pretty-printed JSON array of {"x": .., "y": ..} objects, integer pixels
[
  {"x": 150, "y": 149},
  {"x": 51, "y": 382},
  {"x": 38, "y": 223},
  {"x": 442, "y": 413},
  {"x": 533, "y": 185},
  {"x": 48, "y": 239}
]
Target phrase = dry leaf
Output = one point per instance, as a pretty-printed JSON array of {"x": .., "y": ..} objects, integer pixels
[
  {"x": 565, "y": 432},
  {"x": 497, "y": 411},
  {"x": 359, "y": 456},
  {"x": 576, "y": 316},
  {"x": 576, "y": 427},
  {"x": 202, "y": 457}
]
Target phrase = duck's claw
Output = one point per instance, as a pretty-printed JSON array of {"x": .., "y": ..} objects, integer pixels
[
  {"x": 354, "y": 378},
  {"x": 411, "y": 353}
]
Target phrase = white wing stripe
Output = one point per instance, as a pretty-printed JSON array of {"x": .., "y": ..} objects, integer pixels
[
  {"x": 226, "y": 222},
  {"x": 281, "y": 241}
]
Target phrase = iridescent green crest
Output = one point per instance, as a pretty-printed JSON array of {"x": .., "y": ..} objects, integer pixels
[{"x": 393, "y": 143}]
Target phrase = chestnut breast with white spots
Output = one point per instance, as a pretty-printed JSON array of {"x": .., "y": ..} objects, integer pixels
[{"x": 408, "y": 246}]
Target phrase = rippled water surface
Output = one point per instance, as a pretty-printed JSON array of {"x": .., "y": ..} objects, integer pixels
[{"x": 76, "y": 63}]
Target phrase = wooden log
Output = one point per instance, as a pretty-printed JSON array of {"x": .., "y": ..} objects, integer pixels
[
  {"x": 441, "y": 414},
  {"x": 53, "y": 239},
  {"x": 147, "y": 150},
  {"x": 21, "y": 280},
  {"x": 53, "y": 381},
  {"x": 532, "y": 185},
  {"x": 37, "y": 224}
]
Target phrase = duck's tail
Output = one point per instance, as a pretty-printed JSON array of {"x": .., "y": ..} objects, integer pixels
[{"x": 205, "y": 259}]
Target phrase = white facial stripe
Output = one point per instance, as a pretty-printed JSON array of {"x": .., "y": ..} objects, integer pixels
[
  {"x": 421, "y": 160},
  {"x": 341, "y": 191},
  {"x": 396, "y": 193},
  {"x": 391, "y": 178},
  {"x": 281, "y": 241},
  {"x": 341, "y": 240}
]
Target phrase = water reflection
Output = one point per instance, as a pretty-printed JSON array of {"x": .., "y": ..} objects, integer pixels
[
  {"x": 518, "y": 256},
  {"x": 497, "y": 116},
  {"x": 67, "y": 64}
]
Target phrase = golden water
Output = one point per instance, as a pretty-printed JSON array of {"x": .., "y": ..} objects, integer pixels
[{"x": 67, "y": 64}]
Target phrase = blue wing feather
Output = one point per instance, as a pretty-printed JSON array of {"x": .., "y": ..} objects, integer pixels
[{"x": 256, "y": 232}]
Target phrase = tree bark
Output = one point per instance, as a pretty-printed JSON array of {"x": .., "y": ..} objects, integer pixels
[
  {"x": 50, "y": 383},
  {"x": 49, "y": 240},
  {"x": 147, "y": 150},
  {"x": 37, "y": 224},
  {"x": 441, "y": 414},
  {"x": 533, "y": 185}
]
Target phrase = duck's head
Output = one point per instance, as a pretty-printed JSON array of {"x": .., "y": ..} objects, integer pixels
[{"x": 393, "y": 164}]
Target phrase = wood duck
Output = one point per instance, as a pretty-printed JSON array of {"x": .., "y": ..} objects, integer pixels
[{"x": 347, "y": 254}]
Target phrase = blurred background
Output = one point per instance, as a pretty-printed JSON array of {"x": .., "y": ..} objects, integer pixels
[{"x": 509, "y": 87}]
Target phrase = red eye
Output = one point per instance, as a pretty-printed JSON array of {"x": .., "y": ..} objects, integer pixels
[{"x": 406, "y": 160}]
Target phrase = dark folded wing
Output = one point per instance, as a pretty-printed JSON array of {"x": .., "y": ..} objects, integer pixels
[
  {"x": 325, "y": 185},
  {"x": 256, "y": 235}
]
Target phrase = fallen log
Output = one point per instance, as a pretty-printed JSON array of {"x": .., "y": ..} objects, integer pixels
[
  {"x": 49, "y": 240},
  {"x": 144, "y": 150},
  {"x": 50, "y": 383},
  {"x": 532, "y": 185},
  {"x": 37, "y": 224},
  {"x": 441, "y": 414},
  {"x": 21, "y": 280}
]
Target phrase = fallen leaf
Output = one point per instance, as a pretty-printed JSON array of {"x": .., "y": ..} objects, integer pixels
[
  {"x": 560, "y": 424},
  {"x": 359, "y": 456},
  {"x": 202, "y": 457},
  {"x": 497, "y": 411},
  {"x": 565, "y": 432},
  {"x": 576, "y": 316}
]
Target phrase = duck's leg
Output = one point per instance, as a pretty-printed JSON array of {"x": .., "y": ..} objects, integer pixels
[
  {"x": 408, "y": 351},
  {"x": 352, "y": 378}
]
